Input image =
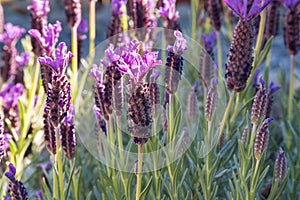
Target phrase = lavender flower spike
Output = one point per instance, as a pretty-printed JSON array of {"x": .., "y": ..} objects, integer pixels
[
  {"x": 68, "y": 134},
  {"x": 262, "y": 139},
  {"x": 280, "y": 167},
  {"x": 39, "y": 8},
  {"x": 174, "y": 63},
  {"x": 16, "y": 188},
  {"x": 209, "y": 42},
  {"x": 168, "y": 11},
  {"x": 11, "y": 34},
  {"x": 73, "y": 12}
]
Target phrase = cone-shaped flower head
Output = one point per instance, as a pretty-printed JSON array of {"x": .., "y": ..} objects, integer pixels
[
  {"x": 291, "y": 27},
  {"x": 239, "y": 61},
  {"x": 214, "y": 10},
  {"x": 154, "y": 93},
  {"x": 262, "y": 139},
  {"x": 39, "y": 8},
  {"x": 280, "y": 167},
  {"x": 16, "y": 188},
  {"x": 174, "y": 63},
  {"x": 259, "y": 104},
  {"x": 209, "y": 42},
  {"x": 211, "y": 100},
  {"x": 168, "y": 10},
  {"x": 58, "y": 94}
]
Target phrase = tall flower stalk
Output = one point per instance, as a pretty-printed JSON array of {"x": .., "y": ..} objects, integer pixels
[
  {"x": 73, "y": 13},
  {"x": 291, "y": 41},
  {"x": 92, "y": 27},
  {"x": 57, "y": 125}
]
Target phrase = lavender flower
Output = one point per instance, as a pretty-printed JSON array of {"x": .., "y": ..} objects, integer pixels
[
  {"x": 39, "y": 11},
  {"x": 280, "y": 167},
  {"x": 239, "y": 63},
  {"x": 169, "y": 17},
  {"x": 174, "y": 63},
  {"x": 244, "y": 138},
  {"x": 271, "y": 91},
  {"x": 68, "y": 135},
  {"x": 211, "y": 100},
  {"x": 291, "y": 27},
  {"x": 115, "y": 26},
  {"x": 9, "y": 37},
  {"x": 10, "y": 95},
  {"x": 16, "y": 188},
  {"x": 259, "y": 104},
  {"x": 214, "y": 10},
  {"x": 58, "y": 94},
  {"x": 207, "y": 69},
  {"x": 262, "y": 139},
  {"x": 73, "y": 12},
  {"x": 2, "y": 150}
]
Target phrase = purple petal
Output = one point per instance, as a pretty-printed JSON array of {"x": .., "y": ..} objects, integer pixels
[
  {"x": 117, "y": 6},
  {"x": 209, "y": 41},
  {"x": 22, "y": 59},
  {"x": 83, "y": 27},
  {"x": 169, "y": 10},
  {"x": 11, "y": 33},
  {"x": 180, "y": 44},
  {"x": 39, "y": 8},
  {"x": 11, "y": 172},
  {"x": 291, "y": 4},
  {"x": 96, "y": 111},
  {"x": 239, "y": 7},
  {"x": 257, "y": 7},
  {"x": 273, "y": 89},
  {"x": 155, "y": 74}
]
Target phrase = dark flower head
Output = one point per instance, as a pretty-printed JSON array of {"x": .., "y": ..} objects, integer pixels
[
  {"x": 39, "y": 8},
  {"x": 262, "y": 139},
  {"x": 291, "y": 4},
  {"x": 73, "y": 12},
  {"x": 49, "y": 36},
  {"x": 11, "y": 34},
  {"x": 240, "y": 8},
  {"x": 168, "y": 10},
  {"x": 61, "y": 61},
  {"x": 68, "y": 134},
  {"x": 209, "y": 41},
  {"x": 280, "y": 167}
]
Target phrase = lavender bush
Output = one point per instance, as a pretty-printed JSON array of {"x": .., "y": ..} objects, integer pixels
[{"x": 151, "y": 112}]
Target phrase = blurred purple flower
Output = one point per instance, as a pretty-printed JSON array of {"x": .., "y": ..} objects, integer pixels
[
  {"x": 82, "y": 29},
  {"x": 97, "y": 113},
  {"x": 209, "y": 41},
  {"x": 117, "y": 5},
  {"x": 61, "y": 61},
  {"x": 11, "y": 34},
  {"x": 273, "y": 88},
  {"x": 11, "y": 94},
  {"x": 39, "y": 195},
  {"x": 97, "y": 72},
  {"x": 239, "y": 7},
  {"x": 7, "y": 137},
  {"x": 154, "y": 75},
  {"x": 49, "y": 36},
  {"x": 291, "y": 4},
  {"x": 39, "y": 8},
  {"x": 68, "y": 134},
  {"x": 22, "y": 59},
  {"x": 168, "y": 10},
  {"x": 73, "y": 12},
  {"x": 11, "y": 172}
]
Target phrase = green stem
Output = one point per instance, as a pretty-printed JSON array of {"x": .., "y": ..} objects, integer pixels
[
  {"x": 120, "y": 140},
  {"x": 226, "y": 114},
  {"x": 92, "y": 28},
  {"x": 258, "y": 42},
  {"x": 74, "y": 63},
  {"x": 30, "y": 102},
  {"x": 170, "y": 118},
  {"x": 291, "y": 89},
  {"x": 139, "y": 172},
  {"x": 194, "y": 18},
  {"x": 252, "y": 138},
  {"x": 219, "y": 46},
  {"x": 58, "y": 160},
  {"x": 268, "y": 62},
  {"x": 208, "y": 162},
  {"x": 75, "y": 183},
  {"x": 254, "y": 179},
  {"x": 55, "y": 184}
]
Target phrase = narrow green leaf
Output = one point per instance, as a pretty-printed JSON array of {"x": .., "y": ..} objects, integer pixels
[{"x": 146, "y": 190}]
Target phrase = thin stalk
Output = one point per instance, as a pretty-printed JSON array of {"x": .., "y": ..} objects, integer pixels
[
  {"x": 258, "y": 43},
  {"x": 58, "y": 160},
  {"x": 171, "y": 115},
  {"x": 194, "y": 18},
  {"x": 55, "y": 183},
  {"x": 291, "y": 89},
  {"x": 236, "y": 108},
  {"x": 120, "y": 140},
  {"x": 75, "y": 183},
  {"x": 226, "y": 114},
  {"x": 139, "y": 172},
  {"x": 252, "y": 138},
  {"x": 253, "y": 184},
  {"x": 30, "y": 102},
  {"x": 268, "y": 63},
  {"x": 74, "y": 62},
  {"x": 208, "y": 162},
  {"x": 92, "y": 28},
  {"x": 219, "y": 46}
]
